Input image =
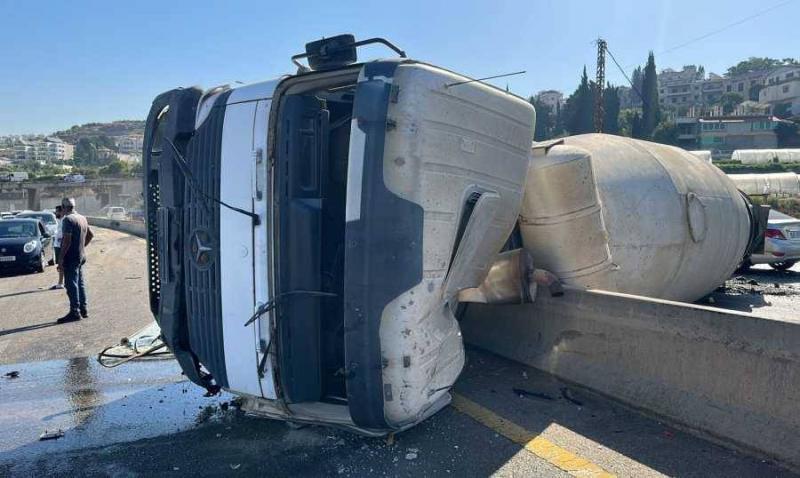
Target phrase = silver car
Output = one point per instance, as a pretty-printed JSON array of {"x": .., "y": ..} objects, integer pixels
[
  {"x": 48, "y": 220},
  {"x": 781, "y": 242}
]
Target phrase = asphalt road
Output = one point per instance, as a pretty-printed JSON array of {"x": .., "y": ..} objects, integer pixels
[
  {"x": 762, "y": 291},
  {"x": 115, "y": 274},
  {"x": 145, "y": 419}
]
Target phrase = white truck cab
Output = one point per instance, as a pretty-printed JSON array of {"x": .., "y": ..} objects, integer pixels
[{"x": 309, "y": 236}]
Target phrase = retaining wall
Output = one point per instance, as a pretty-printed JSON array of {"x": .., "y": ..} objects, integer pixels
[
  {"x": 136, "y": 228},
  {"x": 733, "y": 376}
]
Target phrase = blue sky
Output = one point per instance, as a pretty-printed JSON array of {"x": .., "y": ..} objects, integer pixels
[{"x": 66, "y": 63}]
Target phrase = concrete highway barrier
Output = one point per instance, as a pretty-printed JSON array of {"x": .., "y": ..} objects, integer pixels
[
  {"x": 136, "y": 228},
  {"x": 733, "y": 377}
]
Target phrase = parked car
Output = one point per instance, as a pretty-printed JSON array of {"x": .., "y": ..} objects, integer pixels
[
  {"x": 75, "y": 178},
  {"x": 14, "y": 177},
  {"x": 781, "y": 242},
  {"x": 6, "y": 215},
  {"x": 47, "y": 218},
  {"x": 117, "y": 213},
  {"x": 24, "y": 244}
]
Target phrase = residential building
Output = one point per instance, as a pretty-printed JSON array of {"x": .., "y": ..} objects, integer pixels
[
  {"x": 711, "y": 89},
  {"x": 105, "y": 153},
  {"x": 554, "y": 99},
  {"x": 728, "y": 133},
  {"x": 680, "y": 88},
  {"x": 50, "y": 149},
  {"x": 746, "y": 84},
  {"x": 782, "y": 90},
  {"x": 130, "y": 144}
]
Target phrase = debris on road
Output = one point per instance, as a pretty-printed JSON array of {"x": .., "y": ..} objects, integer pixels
[
  {"x": 567, "y": 394},
  {"x": 54, "y": 435},
  {"x": 527, "y": 393},
  {"x": 12, "y": 374}
]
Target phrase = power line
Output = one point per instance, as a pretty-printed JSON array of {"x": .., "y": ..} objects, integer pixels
[
  {"x": 726, "y": 27},
  {"x": 624, "y": 74},
  {"x": 722, "y": 29}
]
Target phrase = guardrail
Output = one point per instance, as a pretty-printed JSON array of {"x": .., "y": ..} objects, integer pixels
[
  {"x": 733, "y": 377},
  {"x": 136, "y": 228}
]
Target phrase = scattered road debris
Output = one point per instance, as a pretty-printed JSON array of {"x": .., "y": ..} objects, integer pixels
[
  {"x": 54, "y": 435},
  {"x": 12, "y": 374},
  {"x": 567, "y": 394},
  {"x": 527, "y": 393}
]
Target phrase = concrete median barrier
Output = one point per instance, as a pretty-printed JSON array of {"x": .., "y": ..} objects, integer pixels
[
  {"x": 136, "y": 228},
  {"x": 732, "y": 376}
]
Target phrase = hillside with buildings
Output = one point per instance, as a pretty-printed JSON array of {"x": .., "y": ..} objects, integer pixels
[
  {"x": 93, "y": 130},
  {"x": 753, "y": 105},
  {"x": 93, "y": 148}
]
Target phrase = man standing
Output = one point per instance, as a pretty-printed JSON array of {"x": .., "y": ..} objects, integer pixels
[
  {"x": 59, "y": 212},
  {"x": 75, "y": 236}
]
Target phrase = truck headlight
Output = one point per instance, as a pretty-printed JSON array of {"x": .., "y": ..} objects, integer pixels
[{"x": 30, "y": 247}]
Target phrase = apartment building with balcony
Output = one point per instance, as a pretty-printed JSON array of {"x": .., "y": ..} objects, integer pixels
[
  {"x": 782, "y": 90},
  {"x": 50, "y": 149}
]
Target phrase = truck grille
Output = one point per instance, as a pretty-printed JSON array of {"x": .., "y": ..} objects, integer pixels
[{"x": 201, "y": 233}]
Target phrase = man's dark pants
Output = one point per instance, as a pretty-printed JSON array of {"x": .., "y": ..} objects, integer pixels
[{"x": 75, "y": 286}]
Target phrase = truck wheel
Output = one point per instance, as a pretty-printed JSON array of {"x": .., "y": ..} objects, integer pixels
[{"x": 782, "y": 266}]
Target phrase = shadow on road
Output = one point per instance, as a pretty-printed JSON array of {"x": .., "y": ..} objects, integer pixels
[
  {"x": 28, "y": 328},
  {"x": 23, "y": 292}
]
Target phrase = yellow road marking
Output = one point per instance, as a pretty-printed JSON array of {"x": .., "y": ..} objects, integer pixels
[{"x": 536, "y": 444}]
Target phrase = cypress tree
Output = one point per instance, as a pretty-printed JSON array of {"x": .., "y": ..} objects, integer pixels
[
  {"x": 650, "y": 108},
  {"x": 579, "y": 108},
  {"x": 611, "y": 110}
]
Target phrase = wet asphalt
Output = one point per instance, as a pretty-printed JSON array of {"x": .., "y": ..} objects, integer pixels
[{"x": 145, "y": 419}]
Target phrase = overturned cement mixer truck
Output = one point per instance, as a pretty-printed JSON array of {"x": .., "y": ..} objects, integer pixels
[{"x": 311, "y": 237}]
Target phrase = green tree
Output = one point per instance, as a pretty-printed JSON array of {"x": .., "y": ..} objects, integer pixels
[
  {"x": 730, "y": 101},
  {"x": 759, "y": 64},
  {"x": 85, "y": 152},
  {"x": 788, "y": 134},
  {"x": 611, "y": 110},
  {"x": 114, "y": 168},
  {"x": 579, "y": 108},
  {"x": 666, "y": 133},
  {"x": 637, "y": 79},
  {"x": 782, "y": 110},
  {"x": 752, "y": 93},
  {"x": 544, "y": 120},
  {"x": 651, "y": 113}
]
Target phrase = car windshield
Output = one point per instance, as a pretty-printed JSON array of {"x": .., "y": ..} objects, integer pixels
[
  {"x": 17, "y": 229},
  {"x": 45, "y": 218}
]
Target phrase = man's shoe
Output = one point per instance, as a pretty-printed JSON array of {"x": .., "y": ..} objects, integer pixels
[
  {"x": 71, "y": 317},
  {"x": 56, "y": 286},
  {"x": 84, "y": 313}
]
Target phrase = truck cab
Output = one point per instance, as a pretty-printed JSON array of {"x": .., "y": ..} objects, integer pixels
[{"x": 308, "y": 236}]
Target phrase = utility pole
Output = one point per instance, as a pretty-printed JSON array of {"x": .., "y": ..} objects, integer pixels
[{"x": 600, "y": 81}]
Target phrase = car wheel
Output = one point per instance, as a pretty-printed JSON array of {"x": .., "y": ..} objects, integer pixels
[
  {"x": 744, "y": 267},
  {"x": 42, "y": 263},
  {"x": 782, "y": 266}
]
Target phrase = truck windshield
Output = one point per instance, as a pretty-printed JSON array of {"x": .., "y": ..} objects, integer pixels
[{"x": 17, "y": 229}]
